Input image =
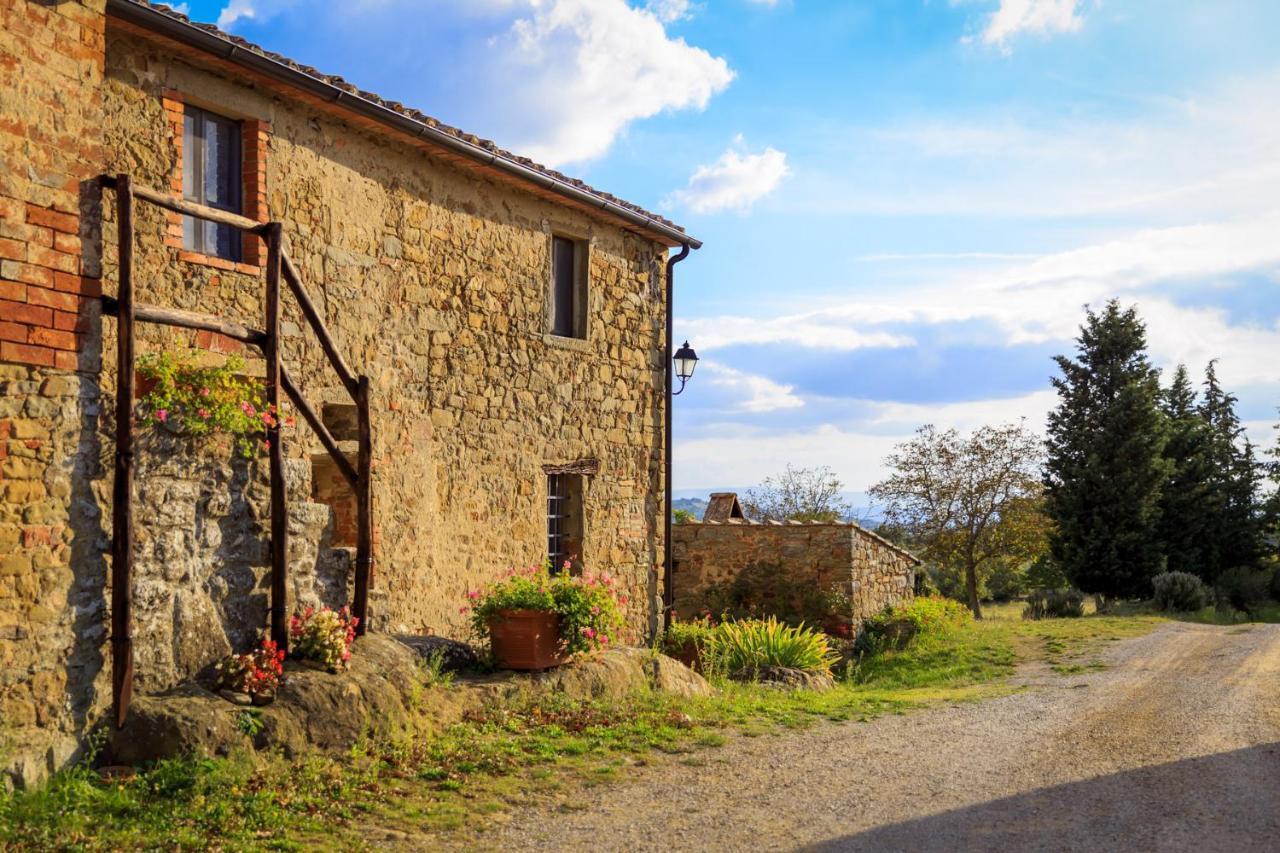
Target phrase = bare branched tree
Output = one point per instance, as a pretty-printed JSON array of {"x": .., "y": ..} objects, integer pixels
[
  {"x": 798, "y": 494},
  {"x": 970, "y": 500}
]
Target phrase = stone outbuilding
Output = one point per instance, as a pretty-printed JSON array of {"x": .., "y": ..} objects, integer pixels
[
  {"x": 510, "y": 321},
  {"x": 841, "y": 557}
]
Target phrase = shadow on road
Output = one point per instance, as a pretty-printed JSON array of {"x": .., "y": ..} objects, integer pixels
[{"x": 1229, "y": 801}]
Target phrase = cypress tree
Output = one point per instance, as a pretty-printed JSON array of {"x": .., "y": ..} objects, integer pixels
[
  {"x": 1183, "y": 519},
  {"x": 1233, "y": 533},
  {"x": 1105, "y": 459}
]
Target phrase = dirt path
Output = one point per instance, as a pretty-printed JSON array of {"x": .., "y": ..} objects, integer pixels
[{"x": 1175, "y": 746}]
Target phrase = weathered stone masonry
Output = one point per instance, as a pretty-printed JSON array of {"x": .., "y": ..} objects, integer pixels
[
  {"x": 872, "y": 571},
  {"x": 433, "y": 279}
]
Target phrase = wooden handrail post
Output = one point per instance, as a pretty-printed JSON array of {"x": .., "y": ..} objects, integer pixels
[
  {"x": 274, "y": 235},
  {"x": 122, "y": 489},
  {"x": 364, "y": 508}
]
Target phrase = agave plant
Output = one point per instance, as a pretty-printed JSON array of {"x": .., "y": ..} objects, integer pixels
[{"x": 749, "y": 645}]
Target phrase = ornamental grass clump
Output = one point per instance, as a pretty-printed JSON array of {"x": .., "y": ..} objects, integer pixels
[
  {"x": 743, "y": 648},
  {"x": 323, "y": 636},
  {"x": 589, "y": 606},
  {"x": 256, "y": 673},
  {"x": 207, "y": 401}
]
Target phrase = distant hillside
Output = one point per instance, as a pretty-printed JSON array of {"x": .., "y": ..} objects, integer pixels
[{"x": 697, "y": 506}]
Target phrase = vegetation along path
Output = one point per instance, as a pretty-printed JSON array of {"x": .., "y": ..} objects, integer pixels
[{"x": 1175, "y": 745}]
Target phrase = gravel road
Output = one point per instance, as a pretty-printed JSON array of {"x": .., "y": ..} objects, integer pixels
[{"x": 1175, "y": 746}]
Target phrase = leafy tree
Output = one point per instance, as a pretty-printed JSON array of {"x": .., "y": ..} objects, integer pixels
[
  {"x": 799, "y": 494},
  {"x": 973, "y": 502},
  {"x": 1233, "y": 534},
  {"x": 682, "y": 516},
  {"x": 1106, "y": 461},
  {"x": 1184, "y": 497}
]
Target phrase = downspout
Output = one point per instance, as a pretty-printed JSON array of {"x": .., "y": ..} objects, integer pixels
[{"x": 668, "y": 592}]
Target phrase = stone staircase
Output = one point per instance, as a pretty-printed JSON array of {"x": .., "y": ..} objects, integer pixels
[{"x": 202, "y": 555}]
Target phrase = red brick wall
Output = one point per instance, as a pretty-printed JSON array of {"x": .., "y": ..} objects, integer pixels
[{"x": 51, "y": 67}]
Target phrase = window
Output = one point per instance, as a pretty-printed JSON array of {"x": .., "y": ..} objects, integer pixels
[
  {"x": 568, "y": 287},
  {"x": 211, "y": 176},
  {"x": 564, "y": 520}
]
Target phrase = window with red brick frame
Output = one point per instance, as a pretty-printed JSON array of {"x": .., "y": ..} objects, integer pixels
[{"x": 253, "y": 167}]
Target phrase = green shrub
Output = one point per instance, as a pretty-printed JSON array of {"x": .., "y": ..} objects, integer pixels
[
  {"x": 204, "y": 401},
  {"x": 1275, "y": 582},
  {"x": 1242, "y": 588},
  {"x": 924, "y": 616},
  {"x": 1180, "y": 592},
  {"x": 747, "y": 646},
  {"x": 1054, "y": 604},
  {"x": 681, "y": 636}
]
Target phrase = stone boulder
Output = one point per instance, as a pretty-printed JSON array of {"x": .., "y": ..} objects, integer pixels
[
  {"x": 786, "y": 678},
  {"x": 380, "y": 695}
]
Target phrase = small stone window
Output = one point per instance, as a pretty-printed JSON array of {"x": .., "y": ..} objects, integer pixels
[
  {"x": 212, "y": 176},
  {"x": 568, "y": 308},
  {"x": 564, "y": 520}
]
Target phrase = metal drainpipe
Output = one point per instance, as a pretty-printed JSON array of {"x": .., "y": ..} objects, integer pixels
[{"x": 668, "y": 592}]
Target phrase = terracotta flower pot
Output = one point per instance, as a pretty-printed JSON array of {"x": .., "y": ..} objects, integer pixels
[{"x": 526, "y": 640}]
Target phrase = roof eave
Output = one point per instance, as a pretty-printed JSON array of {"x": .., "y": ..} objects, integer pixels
[{"x": 187, "y": 33}]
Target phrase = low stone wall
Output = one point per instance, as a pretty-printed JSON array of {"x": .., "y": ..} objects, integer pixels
[{"x": 873, "y": 572}]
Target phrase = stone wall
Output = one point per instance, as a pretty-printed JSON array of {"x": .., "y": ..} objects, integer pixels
[
  {"x": 870, "y": 570},
  {"x": 53, "y": 596}
]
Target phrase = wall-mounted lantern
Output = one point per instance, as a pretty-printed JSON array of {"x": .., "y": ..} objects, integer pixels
[{"x": 686, "y": 360}]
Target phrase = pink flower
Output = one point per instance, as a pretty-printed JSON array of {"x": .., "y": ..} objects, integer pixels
[
  {"x": 595, "y": 610},
  {"x": 162, "y": 415},
  {"x": 474, "y": 594},
  {"x": 590, "y": 632},
  {"x": 464, "y": 609},
  {"x": 604, "y": 639},
  {"x": 203, "y": 413},
  {"x": 247, "y": 408},
  {"x": 204, "y": 392}
]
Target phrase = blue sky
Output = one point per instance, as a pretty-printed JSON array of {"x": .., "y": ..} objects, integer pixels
[{"x": 905, "y": 203}]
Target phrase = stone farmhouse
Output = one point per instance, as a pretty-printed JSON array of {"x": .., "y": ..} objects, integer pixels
[{"x": 510, "y": 326}]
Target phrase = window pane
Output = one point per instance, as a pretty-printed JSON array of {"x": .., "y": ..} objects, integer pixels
[
  {"x": 211, "y": 176},
  {"x": 192, "y": 150},
  {"x": 564, "y": 277}
]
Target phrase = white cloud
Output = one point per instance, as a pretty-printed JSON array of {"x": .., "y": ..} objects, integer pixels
[
  {"x": 1040, "y": 17},
  {"x": 585, "y": 69},
  {"x": 670, "y": 11},
  {"x": 736, "y": 181},
  {"x": 758, "y": 394},
  {"x": 554, "y": 80},
  {"x": 817, "y": 329},
  {"x": 1040, "y": 301},
  {"x": 733, "y": 455},
  {"x": 235, "y": 11}
]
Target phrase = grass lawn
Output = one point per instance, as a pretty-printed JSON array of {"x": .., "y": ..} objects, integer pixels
[{"x": 473, "y": 772}]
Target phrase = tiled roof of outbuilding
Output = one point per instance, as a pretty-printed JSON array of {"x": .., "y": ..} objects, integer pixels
[{"x": 674, "y": 232}]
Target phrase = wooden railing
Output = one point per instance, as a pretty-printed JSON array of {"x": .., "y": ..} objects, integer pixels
[{"x": 128, "y": 312}]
